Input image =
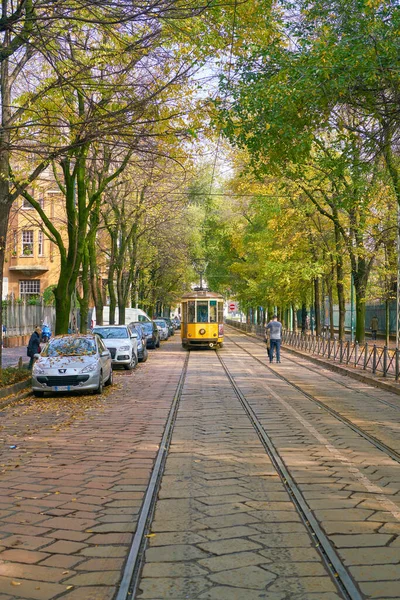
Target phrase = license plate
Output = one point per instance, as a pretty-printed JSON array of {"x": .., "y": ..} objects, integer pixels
[{"x": 61, "y": 388}]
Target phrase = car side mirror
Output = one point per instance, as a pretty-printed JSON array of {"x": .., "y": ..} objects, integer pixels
[
  {"x": 105, "y": 353},
  {"x": 134, "y": 336}
]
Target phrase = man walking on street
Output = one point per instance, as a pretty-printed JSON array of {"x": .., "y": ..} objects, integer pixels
[
  {"x": 274, "y": 328},
  {"x": 374, "y": 327}
]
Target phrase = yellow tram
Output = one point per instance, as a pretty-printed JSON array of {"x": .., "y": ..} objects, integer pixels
[{"x": 202, "y": 319}]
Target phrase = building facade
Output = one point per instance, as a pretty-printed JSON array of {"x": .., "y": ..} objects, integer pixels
[{"x": 32, "y": 259}]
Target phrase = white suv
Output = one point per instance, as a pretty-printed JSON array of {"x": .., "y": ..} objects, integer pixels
[{"x": 121, "y": 343}]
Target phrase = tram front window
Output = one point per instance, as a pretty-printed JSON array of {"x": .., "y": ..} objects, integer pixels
[
  {"x": 191, "y": 314},
  {"x": 202, "y": 311},
  {"x": 213, "y": 311}
]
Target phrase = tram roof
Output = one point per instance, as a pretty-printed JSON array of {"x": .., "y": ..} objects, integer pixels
[{"x": 202, "y": 294}]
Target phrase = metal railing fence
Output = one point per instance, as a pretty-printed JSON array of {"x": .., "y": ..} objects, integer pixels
[{"x": 369, "y": 357}]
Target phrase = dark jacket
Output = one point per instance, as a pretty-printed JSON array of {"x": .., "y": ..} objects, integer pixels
[{"x": 34, "y": 344}]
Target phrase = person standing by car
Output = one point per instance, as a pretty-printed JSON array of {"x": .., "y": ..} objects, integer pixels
[
  {"x": 374, "y": 327},
  {"x": 274, "y": 329},
  {"x": 34, "y": 346}
]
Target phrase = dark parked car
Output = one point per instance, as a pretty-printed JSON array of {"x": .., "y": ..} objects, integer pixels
[
  {"x": 171, "y": 327},
  {"x": 137, "y": 328},
  {"x": 152, "y": 335},
  {"x": 177, "y": 322}
]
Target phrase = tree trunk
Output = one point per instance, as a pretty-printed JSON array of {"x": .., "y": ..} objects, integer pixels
[
  {"x": 3, "y": 234},
  {"x": 63, "y": 304},
  {"x": 303, "y": 316},
  {"x": 84, "y": 299},
  {"x": 317, "y": 307},
  {"x": 387, "y": 321},
  {"x": 340, "y": 286},
  {"x": 360, "y": 314},
  {"x": 331, "y": 324},
  {"x": 122, "y": 297},
  {"x": 294, "y": 318},
  {"x": 360, "y": 278},
  {"x": 95, "y": 278},
  {"x": 113, "y": 297},
  {"x": 5, "y": 203}
]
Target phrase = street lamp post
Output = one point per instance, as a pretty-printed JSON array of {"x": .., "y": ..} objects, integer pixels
[{"x": 200, "y": 265}]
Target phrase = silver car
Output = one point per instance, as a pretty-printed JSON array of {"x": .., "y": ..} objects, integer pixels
[
  {"x": 121, "y": 342},
  {"x": 70, "y": 363}
]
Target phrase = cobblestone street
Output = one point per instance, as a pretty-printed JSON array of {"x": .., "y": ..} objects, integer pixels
[{"x": 281, "y": 482}]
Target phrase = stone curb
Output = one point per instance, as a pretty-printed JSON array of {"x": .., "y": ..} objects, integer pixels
[
  {"x": 364, "y": 376},
  {"x": 14, "y": 389}
]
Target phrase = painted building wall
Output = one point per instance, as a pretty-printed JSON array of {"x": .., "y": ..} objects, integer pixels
[{"x": 32, "y": 260}]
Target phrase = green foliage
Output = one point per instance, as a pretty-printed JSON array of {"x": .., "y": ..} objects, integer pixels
[
  {"x": 48, "y": 295},
  {"x": 12, "y": 375}
]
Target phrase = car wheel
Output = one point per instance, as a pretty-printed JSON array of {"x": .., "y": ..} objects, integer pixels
[
  {"x": 132, "y": 364},
  {"x": 99, "y": 389},
  {"x": 110, "y": 380},
  {"x": 158, "y": 344},
  {"x": 38, "y": 394},
  {"x": 145, "y": 355}
]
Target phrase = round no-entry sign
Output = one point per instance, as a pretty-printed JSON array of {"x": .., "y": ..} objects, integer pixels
[{"x": 232, "y": 306}]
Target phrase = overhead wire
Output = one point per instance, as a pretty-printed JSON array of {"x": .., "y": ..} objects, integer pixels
[{"x": 226, "y": 93}]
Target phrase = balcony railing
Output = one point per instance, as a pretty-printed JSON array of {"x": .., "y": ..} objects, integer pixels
[{"x": 379, "y": 360}]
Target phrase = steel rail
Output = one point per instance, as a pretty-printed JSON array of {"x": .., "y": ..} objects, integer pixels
[
  {"x": 130, "y": 578},
  {"x": 370, "y": 438},
  {"x": 258, "y": 342},
  {"x": 340, "y": 575}
]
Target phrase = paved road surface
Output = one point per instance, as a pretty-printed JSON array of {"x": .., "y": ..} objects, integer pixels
[
  {"x": 11, "y": 356},
  {"x": 227, "y": 525}
]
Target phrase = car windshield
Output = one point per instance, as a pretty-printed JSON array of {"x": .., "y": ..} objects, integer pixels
[
  {"x": 161, "y": 323},
  {"x": 147, "y": 326},
  {"x": 115, "y": 333},
  {"x": 70, "y": 346}
]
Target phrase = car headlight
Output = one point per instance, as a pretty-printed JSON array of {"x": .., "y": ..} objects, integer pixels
[
  {"x": 37, "y": 370},
  {"x": 124, "y": 348},
  {"x": 89, "y": 368}
]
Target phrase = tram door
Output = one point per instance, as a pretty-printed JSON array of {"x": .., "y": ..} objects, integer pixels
[{"x": 189, "y": 315}]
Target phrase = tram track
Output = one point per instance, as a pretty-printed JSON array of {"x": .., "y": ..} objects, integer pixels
[
  {"x": 308, "y": 368},
  {"x": 370, "y": 438},
  {"x": 348, "y": 586},
  {"x": 334, "y": 564},
  {"x": 131, "y": 574}
]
